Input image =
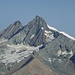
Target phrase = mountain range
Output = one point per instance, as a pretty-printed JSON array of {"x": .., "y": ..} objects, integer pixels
[{"x": 36, "y": 49}]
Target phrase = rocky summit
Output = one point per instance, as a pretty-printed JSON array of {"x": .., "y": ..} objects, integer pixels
[{"x": 36, "y": 49}]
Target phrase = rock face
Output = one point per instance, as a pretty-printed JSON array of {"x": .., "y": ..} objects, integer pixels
[
  {"x": 35, "y": 67},
  {"x": 34, "y": 33},
  {"x": 59, "y": 54},
  {"x": 10, "y": 31},
  {"x": 53, "y": 51},
  {"x": 3, "y": 69}
]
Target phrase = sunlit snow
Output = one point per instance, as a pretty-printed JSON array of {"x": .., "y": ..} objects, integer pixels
[
  {"x": 65, "y": 53},
  {"x": 16, "y": 53},
  {"x": 65, "y": 34},
  {"x": 52, "y": 28},
  {"x": 49, "y": 35},
  {"x": 32, "y": 36}
]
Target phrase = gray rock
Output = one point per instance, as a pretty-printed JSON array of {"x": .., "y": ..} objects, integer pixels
[{"x": 12, "y": 30}]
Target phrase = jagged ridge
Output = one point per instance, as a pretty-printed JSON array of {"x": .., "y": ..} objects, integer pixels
[{"x": 57, "y": 48}]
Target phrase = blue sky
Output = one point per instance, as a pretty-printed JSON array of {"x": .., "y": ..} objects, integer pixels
[{"x": 57, "y": 13}]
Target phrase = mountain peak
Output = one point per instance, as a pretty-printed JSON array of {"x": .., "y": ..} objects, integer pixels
[
  {"x": 11, "y": 30},
  {"x": 35, "y": 31},
  {"x": 40, "y": 22},
  {"x": 17, "y": 23},
  {"x": 27, "y": 50},
  {"x": 37, "y": 16}
]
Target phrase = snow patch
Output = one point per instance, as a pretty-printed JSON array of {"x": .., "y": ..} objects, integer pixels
[
  {"x": 17, "y": 53},
  {"x": 42, "y": 28},
  {"x": 65, "y": 34},
  {"x": 32, "y": 36},
  {"x": 49, "y": 34},
  {"x": 52, "y": 28},
  {"x": 65, "y": 53},
  {"x": 59, "y": 52},
  {"x": 49, "y": 60},
  {"x": 3, "y": 40},
  {"x": 59, "y": 60},
  {"x": 71, "y": 54}
]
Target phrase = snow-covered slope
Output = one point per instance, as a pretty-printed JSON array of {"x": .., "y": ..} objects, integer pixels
[
  {"x": 16, "y": 53},
  {"x": 65, "y": 34},
  {"x": 52, "y": 28}
]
